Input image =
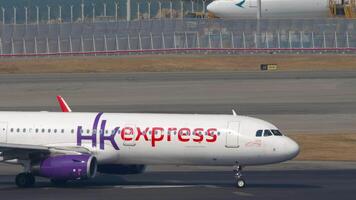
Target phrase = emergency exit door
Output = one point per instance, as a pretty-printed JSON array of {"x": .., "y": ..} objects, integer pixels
[{"x": 232, "y": 135}]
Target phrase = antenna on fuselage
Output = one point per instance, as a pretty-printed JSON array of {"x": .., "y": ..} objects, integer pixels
[{"x": 234, "y": 112}]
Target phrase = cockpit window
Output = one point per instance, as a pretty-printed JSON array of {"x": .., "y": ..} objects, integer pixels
[
  {"x": 277, "y": 133},
  {"x": 259, "y": 133},
  {"x": 267, "y": 133}
]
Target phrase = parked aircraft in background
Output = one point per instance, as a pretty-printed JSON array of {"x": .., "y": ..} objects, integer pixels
[
  {"x": 237, "y": 9},
  {"x": 67, "y": 145}
]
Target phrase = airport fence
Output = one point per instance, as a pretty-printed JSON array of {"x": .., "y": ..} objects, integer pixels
[
  {"x": 78, "y": 11},
  {"x": 178, "y": 36}
]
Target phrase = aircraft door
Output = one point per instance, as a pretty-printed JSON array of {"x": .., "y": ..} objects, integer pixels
[
  {"x": 252, "y": 3},
  {"x": 3, "y": 132},
  {"x": 232, "y": 135}
]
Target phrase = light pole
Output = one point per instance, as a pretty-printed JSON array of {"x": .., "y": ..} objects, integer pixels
[
  {"x": 138, "y": 10},
  {"x": 259, "y": 9},
  {"x": 93, "y": 5},
  {"x": 182, "y": 9},
  {"x": 116, "y": 11},
  {"x": 204, "y": 3},
  {"x": 128, "y": 10},
  {"x": 104, "y": 9},
  {"x": 160, "y": 9},
  {"x": 60, "y": 13},
  {"x": 48, "y": 14},
  {"x": 149, "y": 9},
  {"x": 71, "y": 13},
  {"x": 259, "y": 16},
  {"x": 82, "y": 7},
  {"x": 3, "y": 15},
  {"x": 26, "y": 15},
  {"x": 37, "y": 15},
  {"x": 171, "y": 9},
  {"x": 15, "y": 13}
]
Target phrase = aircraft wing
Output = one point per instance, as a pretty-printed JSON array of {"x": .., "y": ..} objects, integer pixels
[
  {"x": 33, "y": 152},
  {"x": 4, "y": 147}
]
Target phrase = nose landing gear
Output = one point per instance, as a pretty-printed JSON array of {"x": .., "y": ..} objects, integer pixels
[{"x": 239, "y": 181}]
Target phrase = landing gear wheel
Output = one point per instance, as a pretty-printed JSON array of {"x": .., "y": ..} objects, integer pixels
[
  {"x": 57, "y": 182},
  {"x": 25, "y": 180},
  {"x": 240, "y": 183}
]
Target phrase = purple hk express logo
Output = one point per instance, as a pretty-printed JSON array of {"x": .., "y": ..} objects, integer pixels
[{"x": 102, "y": 137}]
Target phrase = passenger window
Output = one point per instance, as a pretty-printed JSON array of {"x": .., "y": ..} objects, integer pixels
[
  {"x": 72, "y": 131},
  {"x": 259, "y": 133},
  {"x": 55, "y": 130},
  {"x": 277, "y": 133},
  {"x": 18, "y": 130},
  {"x": 24, "y": 130},
  {"x": 43, "y": 130},
  {"x": 49, "y": 130},
  {"x": 36, "y": 130},
  {"x": 267, "y": 133},
  {"x": 62, "y": 131},
  {"x": 12, "y": 130}
]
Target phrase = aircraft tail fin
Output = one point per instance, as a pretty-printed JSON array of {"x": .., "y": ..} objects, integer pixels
[{"x": 63, "y": 104}]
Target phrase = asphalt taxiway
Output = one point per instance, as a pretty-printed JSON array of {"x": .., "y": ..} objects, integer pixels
[
  {"x": 195, "y": 183},
  {"x": 306, "y": 102},
  {"x": 310, "y": 101}
]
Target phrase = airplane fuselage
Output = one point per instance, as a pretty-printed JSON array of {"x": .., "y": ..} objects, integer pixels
[
  {"x": 151, "y": 138},
  {"x": 241, "y": 9}
]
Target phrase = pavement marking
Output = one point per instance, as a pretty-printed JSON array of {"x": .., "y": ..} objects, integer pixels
[
  {"x": 159, "y": 186},
  {"x": 245, "y": 194}
]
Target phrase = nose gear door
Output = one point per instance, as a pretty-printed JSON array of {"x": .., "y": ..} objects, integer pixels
[{"x": 232, "y": 135}]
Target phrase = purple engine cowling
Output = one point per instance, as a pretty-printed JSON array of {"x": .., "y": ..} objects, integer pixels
[{"x": 68, "y": 167}]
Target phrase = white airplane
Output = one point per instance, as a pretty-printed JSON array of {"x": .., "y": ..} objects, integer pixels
[
  {"x": 240, "y": 9},
  {"x": 66, "y": 145}
]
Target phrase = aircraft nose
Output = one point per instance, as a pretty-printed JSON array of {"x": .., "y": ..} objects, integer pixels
[
  {"x": 211, "y": 7},
  {"x": 291, "y": 148}
]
